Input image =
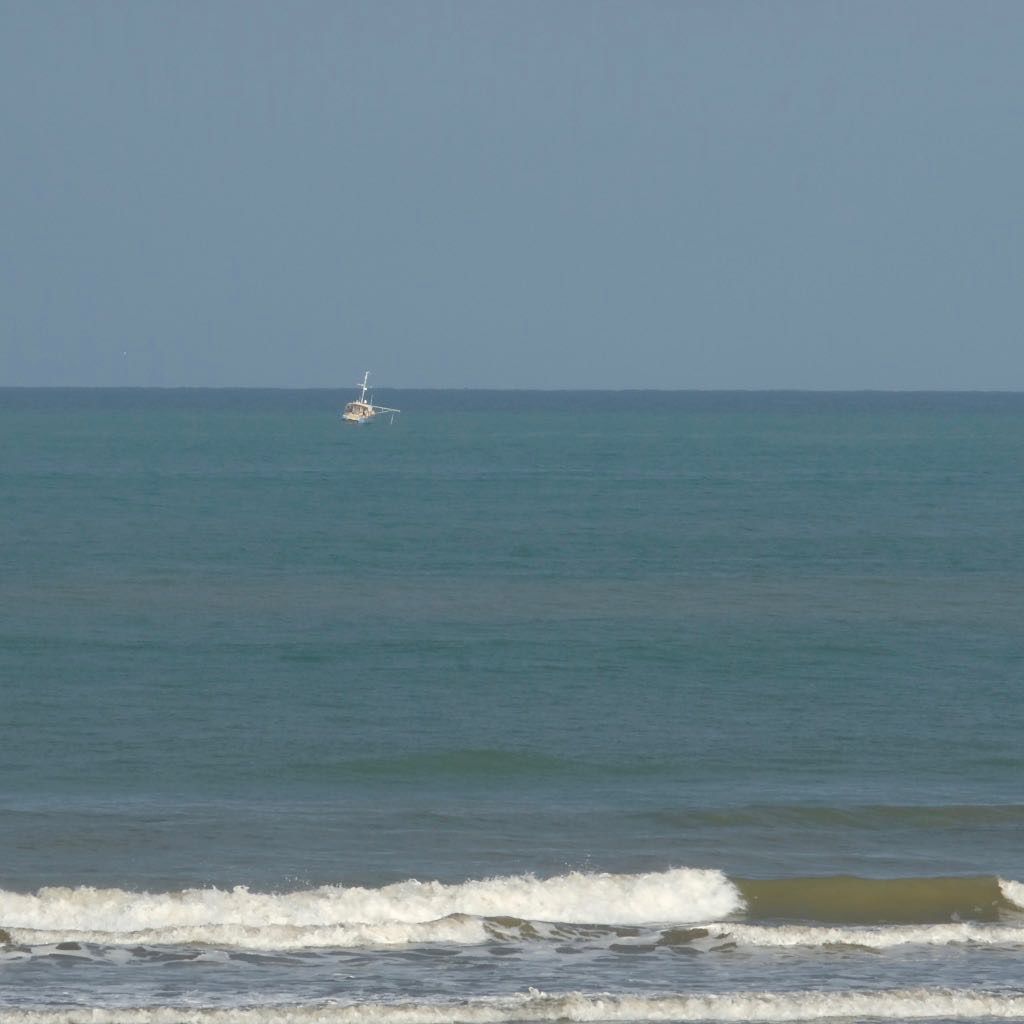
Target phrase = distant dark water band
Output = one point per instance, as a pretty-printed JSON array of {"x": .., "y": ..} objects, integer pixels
[{"x": 491, "y": 765}]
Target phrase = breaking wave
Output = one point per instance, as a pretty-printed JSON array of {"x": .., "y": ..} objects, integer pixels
[
  {"x": 403, "y": 912},
  {"x": 683, "y": 905}
]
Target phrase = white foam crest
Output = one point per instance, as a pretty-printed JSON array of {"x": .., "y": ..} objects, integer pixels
[
  {"x": 902, "y": 1004},
  {"x": 459, "y": 930},
  {"x": 880, "y": 937},
  {"x": 681, "y": 895},
  {"x": 1012, "y": 891}
]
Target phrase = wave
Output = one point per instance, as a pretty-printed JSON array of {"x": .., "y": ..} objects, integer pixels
[
  {"x": 457, "y": 930},
  {"x": 682, "y": 894},
  {"x": 849, "y": 900},
  {"x": 895, "y": 1004},
  {"x": 454, "y": 930},
  {"x": 660, "y": 905}
]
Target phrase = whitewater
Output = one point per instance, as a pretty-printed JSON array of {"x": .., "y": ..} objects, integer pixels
[
  {"x": 658, "y": 905},
  {"x": 908, "y": 1004}
]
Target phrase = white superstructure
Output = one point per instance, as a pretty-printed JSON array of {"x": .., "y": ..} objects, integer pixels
[{"x": 362, "y": 410}]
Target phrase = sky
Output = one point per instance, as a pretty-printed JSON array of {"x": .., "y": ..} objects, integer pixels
[{"x": 523, "y": 194}]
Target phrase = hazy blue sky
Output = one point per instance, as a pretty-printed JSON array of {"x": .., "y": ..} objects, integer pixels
[{"x": 519, "y": 194}]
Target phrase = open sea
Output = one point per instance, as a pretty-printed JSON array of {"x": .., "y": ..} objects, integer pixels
[{"x": 526, "y": 706}]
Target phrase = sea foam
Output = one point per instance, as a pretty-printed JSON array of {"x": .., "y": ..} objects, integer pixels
[
  {"x": 339, "y": 915},
  {"x": 1012, "y": 891},
  {"x": 902, "y": 1004},
  {"x": 874, "y": 937}
]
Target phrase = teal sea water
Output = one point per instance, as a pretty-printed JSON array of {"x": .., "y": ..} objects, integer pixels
[{"x": 523, "y": 707}]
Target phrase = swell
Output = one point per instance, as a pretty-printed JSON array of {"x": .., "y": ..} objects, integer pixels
[
  {"x": 849, "y": 900},
  {"x": 865, "y": 817},
  {"x": 894, "y": 1004},
  {"x": 476, "y": 764}
]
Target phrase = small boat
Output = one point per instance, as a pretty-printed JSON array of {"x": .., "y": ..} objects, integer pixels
[{"x": 362, "y": 410}]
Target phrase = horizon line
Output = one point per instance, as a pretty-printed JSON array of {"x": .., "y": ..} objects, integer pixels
[{"x": 533, "y": 390}]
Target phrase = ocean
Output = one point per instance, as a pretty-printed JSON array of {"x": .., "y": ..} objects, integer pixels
[{"x": 523, "y": 706}]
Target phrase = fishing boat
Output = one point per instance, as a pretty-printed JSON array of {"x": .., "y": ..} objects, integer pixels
[{"x": 362, "y": 410}]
